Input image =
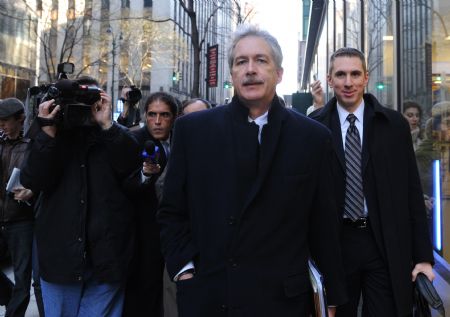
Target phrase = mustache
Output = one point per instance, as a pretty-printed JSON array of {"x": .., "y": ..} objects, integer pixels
[{"x": 252, "y": 81}]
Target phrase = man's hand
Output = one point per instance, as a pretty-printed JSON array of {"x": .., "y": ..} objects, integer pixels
[
  {"x": 149, "y": 168},
  {"x": 331, "y": 311},
  {"x": 101, "y": 111},
  {"x": 424, "y": 268},
  {"x": 126, "y": 107},
  {"x": 429, "y": 203},
  {"x": 22, "y": 194},
  {"x": 46, "y": 112},
  {"x": 317, "y": 94},
  {"x": 185, "y": 276}
]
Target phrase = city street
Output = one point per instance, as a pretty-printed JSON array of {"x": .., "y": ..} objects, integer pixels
[{"x": 442, "y": 284}]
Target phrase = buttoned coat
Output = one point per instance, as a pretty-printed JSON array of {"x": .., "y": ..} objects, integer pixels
[
  {"x": 392, "y": 191},
  {"x": 249, "y": 238}
]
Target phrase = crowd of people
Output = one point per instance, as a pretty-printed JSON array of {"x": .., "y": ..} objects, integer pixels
[
  {"x": 87, "y": 266},
  {"x": 217, "y": 212}
]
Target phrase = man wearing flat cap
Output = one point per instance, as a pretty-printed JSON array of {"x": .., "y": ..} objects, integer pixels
[{"x": 16, "y": 211}]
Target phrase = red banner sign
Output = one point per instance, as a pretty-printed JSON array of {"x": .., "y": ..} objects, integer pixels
[{"x": 212, "y": 63}]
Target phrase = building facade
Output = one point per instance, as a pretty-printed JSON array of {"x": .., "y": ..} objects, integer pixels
[
  {"x": 118, "y": 42},
  {"x": 407, "y": 47},
  {"x": 18, "y": 33},
  {"x": 214, "y": 21}
]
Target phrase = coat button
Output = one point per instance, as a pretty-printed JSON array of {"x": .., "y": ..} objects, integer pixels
[
  {"x": 232, "y": 262},
  {"x": 80, "y": 239},
  {"x": 231, "y": 221},
  {"x": 224, "y": 307}
]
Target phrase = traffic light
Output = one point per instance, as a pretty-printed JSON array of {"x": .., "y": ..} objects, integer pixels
[
  {"x": 174, "y": 76},
  {"x": 227, "y": 84},
  {"x": 380, "y": 85}
]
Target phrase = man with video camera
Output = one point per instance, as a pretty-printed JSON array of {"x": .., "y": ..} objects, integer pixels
[
  {"x": 84, "y": 228},
  {"x": 130, "y": 115}
]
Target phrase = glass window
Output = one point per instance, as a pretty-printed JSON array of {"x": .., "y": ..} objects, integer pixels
[
  {"x": 353, "y": 25},
  {"x": 426, "y": 105},
  {"x": 435, "y": 147},
  {"x": 380, "y": 50},
  {"x": 339, "y": 30},
  {"x": 320, "y": 67}
]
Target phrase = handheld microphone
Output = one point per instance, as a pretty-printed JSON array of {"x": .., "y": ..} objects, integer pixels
[{"x": 150, "y": 153}]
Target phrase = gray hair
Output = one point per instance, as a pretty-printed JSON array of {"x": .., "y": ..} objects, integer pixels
[{"x": 245, "y": 30}]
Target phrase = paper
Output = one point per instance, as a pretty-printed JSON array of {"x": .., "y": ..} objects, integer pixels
[
  {"x": 14, "y": 180},
  {"x": 320, "y": 300}
]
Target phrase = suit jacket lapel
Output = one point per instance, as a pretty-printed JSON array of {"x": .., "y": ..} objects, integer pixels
[
  {"x": 243, "y": 140},
  {"x": 335, "y": 127},
  {"x": 269, "y": 142},
  {"x": 369, "y": 115},
  {"x": 328, "y": 116}
]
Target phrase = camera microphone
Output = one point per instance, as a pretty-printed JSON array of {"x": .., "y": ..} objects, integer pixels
[
  {"x": 150, "y": 152},
  {"x": 66, "y": 86}
]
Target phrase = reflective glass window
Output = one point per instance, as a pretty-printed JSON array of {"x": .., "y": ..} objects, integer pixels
[{"x": 380, "y": 50}]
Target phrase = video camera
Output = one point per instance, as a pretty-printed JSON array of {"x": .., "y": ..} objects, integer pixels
[
  {"x": 133, "y": 96},
  {"x": 75, "y": 100}
]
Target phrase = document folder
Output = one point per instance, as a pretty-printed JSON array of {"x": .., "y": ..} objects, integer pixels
[
  {"x": 14, "y": 180},
  {"x": 426, "y": 294},
  {"x": 320, "y": 298}
]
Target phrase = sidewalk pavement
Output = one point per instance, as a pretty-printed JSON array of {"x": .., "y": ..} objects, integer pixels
[
  {"x": 32, "y": 310},
  {"x": 442, "y": 284}
]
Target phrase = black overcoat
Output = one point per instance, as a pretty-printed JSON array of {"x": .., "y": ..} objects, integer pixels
[
  {"x": 392, "y": 190},
  {"x": 85, "y": 219},
  {"x": 249, "y": 241}
]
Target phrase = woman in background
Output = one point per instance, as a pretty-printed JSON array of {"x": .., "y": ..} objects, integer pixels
[{"x": 413, "y": 113}]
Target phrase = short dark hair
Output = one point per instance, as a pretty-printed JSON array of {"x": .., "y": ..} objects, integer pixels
[
  {"x": 347, "y": 52},
  {"x": 87, "y": 80},
  {"x": 191, "y": 101},
  {"x": 168, "y": 99}
]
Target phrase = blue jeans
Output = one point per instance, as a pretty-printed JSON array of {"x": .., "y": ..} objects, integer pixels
[
  {"x": 84, "y": 299},
  {"x": 19, "y": 238}
]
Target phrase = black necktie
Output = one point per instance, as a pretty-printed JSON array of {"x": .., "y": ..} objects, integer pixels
[
  {"x": 166, "y": 147},
  {"x": 354, "y": 197}
]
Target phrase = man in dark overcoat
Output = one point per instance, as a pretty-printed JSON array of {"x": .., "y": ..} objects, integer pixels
[
  {"x": 247, "y": 198},
  {"x": 144, "y": 289},
  {"x": 387, "y": 243}
]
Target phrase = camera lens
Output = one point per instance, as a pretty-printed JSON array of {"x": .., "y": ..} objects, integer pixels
[{"x": 53, "y": 92}]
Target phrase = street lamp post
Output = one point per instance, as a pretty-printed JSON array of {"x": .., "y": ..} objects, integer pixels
[
  {"x": 113, "y": 72},
  {"x": 113, "y": 53}
]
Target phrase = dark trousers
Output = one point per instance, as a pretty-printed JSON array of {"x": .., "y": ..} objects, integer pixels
[
  {"x": 19, "y": 239},
  {"x": 6, "y": 287},
  {"x": 37, "y": 281},
  {"x": 144, "y": 286},
  {"x": 169, "y": 296},
  {"x": 366, "y": 274}
]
